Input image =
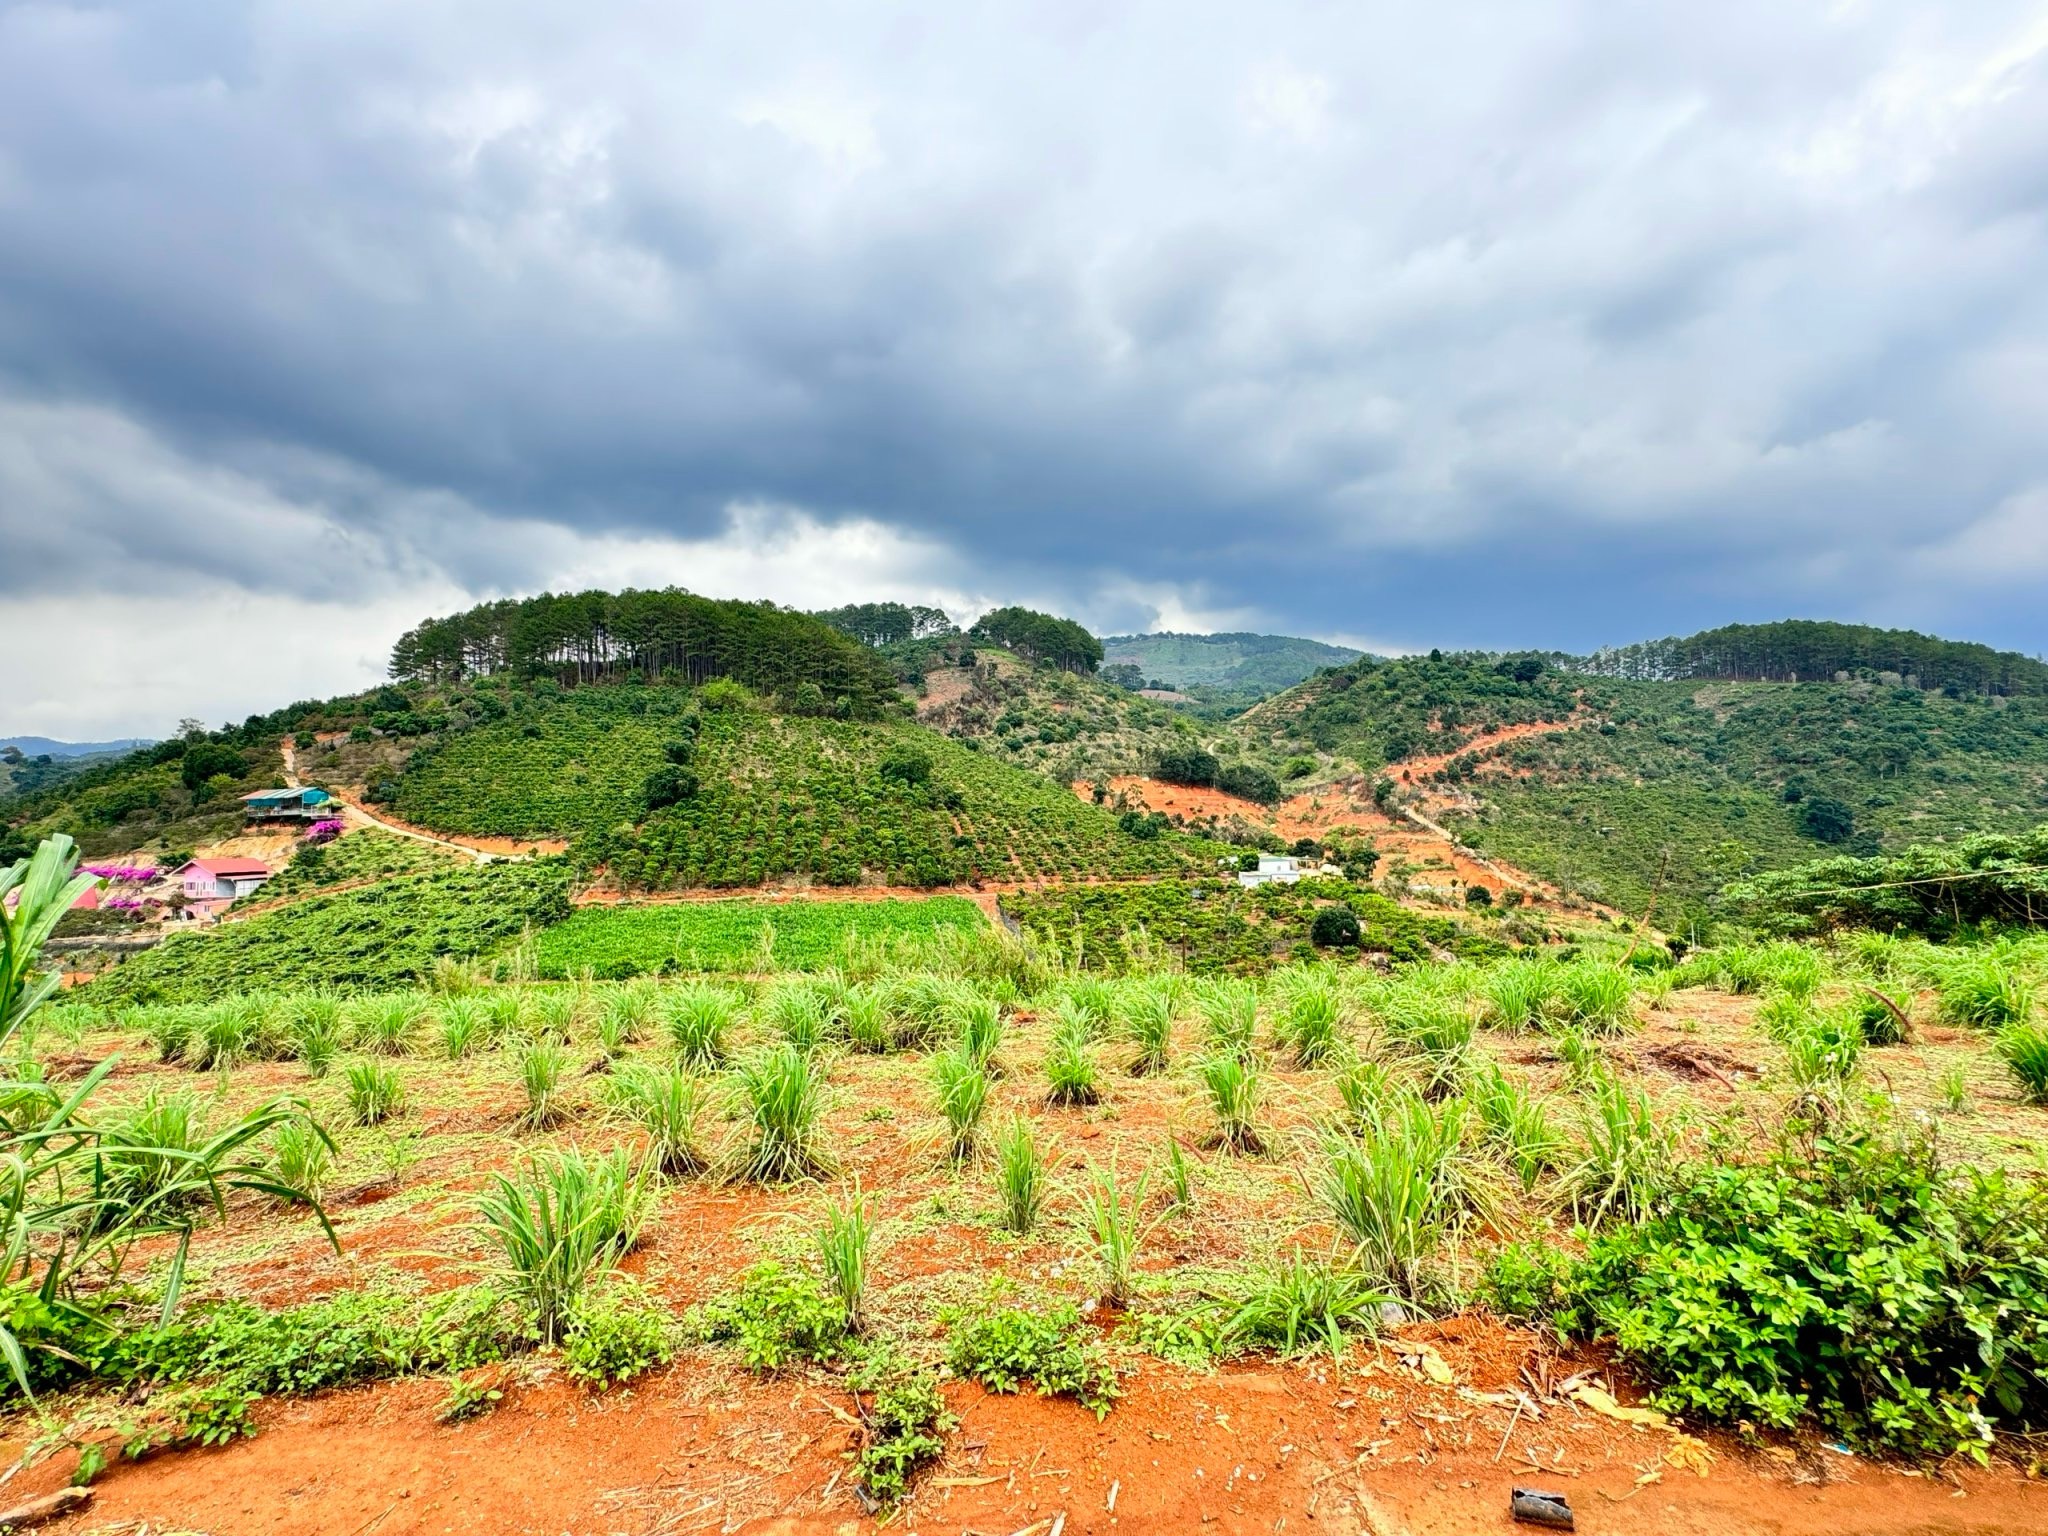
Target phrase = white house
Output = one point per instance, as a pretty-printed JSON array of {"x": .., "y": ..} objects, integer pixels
[{"x": 1273, "y": 867}]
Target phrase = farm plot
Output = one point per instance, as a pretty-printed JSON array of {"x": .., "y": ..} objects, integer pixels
[
  {"x": 666, "y": 938},
  {"x": 1364, "y": 1222}
]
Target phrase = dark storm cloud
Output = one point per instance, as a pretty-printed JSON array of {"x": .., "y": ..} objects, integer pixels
[{"x": 1548, "y": 323}]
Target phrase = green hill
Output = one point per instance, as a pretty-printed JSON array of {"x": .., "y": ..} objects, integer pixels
[
  {"x": 775, "y": 796},
  {"x": 1721, "y": 778},
  {"x": 1226, "y": 668}
]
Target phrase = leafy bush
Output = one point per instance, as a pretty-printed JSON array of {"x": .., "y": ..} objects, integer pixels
[
  {"x": 776, "y": 1316},
  {"x": 1335, "y": 928},
  {"x": 612, "y": 1338},
  {"x": 1903, "y": 1306},
  {"x": 904, "y": 1423},
  {"x": 1005, "y": 1347}
]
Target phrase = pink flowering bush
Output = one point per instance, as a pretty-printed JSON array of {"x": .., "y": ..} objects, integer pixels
[
  {"x": 121, "y": 874},
  {"x": 122, "y": 904},
  {"x": 323, "y": 831}
]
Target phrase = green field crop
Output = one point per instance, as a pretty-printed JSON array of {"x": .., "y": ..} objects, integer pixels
[
  {"x": 672, "y": 937},
  {"x": 790, "y": 796},
  {"x": 384, "y": 935},
  {"x": 1214, "y": 926}
]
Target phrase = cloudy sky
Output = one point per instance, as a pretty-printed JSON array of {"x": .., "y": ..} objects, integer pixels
[{"x": 1538, "y": 322}]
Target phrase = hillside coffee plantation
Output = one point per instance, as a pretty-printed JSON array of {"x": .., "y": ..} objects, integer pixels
[{"x": 716, "y": 1067}]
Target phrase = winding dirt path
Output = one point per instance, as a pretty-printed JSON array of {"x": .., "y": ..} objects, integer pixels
[{"x": 481, "y": 849}]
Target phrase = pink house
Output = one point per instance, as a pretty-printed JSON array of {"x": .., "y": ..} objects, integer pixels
[{"x": 221, "y": 879}]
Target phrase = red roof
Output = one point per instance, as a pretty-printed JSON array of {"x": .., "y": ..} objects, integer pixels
[{"x": 220, "y": 868}]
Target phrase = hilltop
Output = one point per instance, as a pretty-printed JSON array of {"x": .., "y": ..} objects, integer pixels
[
  {"x": 1222, "y": 671},
  {"x": 666, "y": 741}
]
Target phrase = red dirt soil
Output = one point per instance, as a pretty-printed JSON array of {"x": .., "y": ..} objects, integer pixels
[{"x": 1375, "y": 1451}]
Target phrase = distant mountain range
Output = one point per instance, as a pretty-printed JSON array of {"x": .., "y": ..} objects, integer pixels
[
  {"x": 1244, "y": 665},
  {"x": 38, "y": 746}
]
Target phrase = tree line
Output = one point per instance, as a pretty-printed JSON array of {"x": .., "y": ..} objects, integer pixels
[
  {"x": 587, "y": 637},
  {"x": 1040, "y": 637},
  {"x": 1808, "y": 650},
  {"x": 881, "y": 624}
]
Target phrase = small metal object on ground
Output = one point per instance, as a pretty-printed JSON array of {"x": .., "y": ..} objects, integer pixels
[{"x": 1538, "y": 1508}]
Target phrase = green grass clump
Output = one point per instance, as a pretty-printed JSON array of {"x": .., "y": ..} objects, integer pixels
[
  {"x": 699, "y": 1017},
  {"x": 1298, "y": 1304},
  {"x": 385, "y": 1025},
  {"x": 665, "y": 1102},
  {"x": 2024, "y": 1048},
  {"x": 868, "y": 1025},
  {"x": 801, "y": 1013},
  {"x": 1118, "y": 1226},
  {"x": 462, "y": 1027},
  {"x": 1234, "y": 1084},
  {"x": 1020, "y": 1176},
  {"x": 843, "y": 1241},
  {"x": 783, "y": 1093},
  {"x": 962, "y": 1084},
  {"x": 1230, "y": 1015},
  {"x": 1516, "y": 995},
  {"x": 1311, "y": 1023},
  {"x": 1397, "y": 1188},
  {"x": 314, "y": 1026},
  {"x": 1627, "y": 1155},
  {"x": 1595, "y": 997},
  {"x": 1985, "y": 992},
  {"x": 565, "y": 1219},
  {"x": 376, "y": 1092},
  {"x": 542, "y": 1065},
  {"x": 1515, "y": 1124},
  {"x": 303, "y": 1155},
  {"x": 625, "y": 1017},
  {"x": 1071, "y": 1077},
  {"x": 1148, "y": 1020},
  {"x": 979, "y": 1021}
]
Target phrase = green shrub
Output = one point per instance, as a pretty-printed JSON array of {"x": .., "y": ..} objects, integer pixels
[
  {"x": 1335, "y": 927},
  {"x": 904, "y": 1425},
  {"x": 612, "y": 1338},
  {"x": 1527, "y": 1282},
  {"x": 1007, "y": 1347},
  {"x": 776, "y": 1316},
  {"x": 1903, "y": 1307}
]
